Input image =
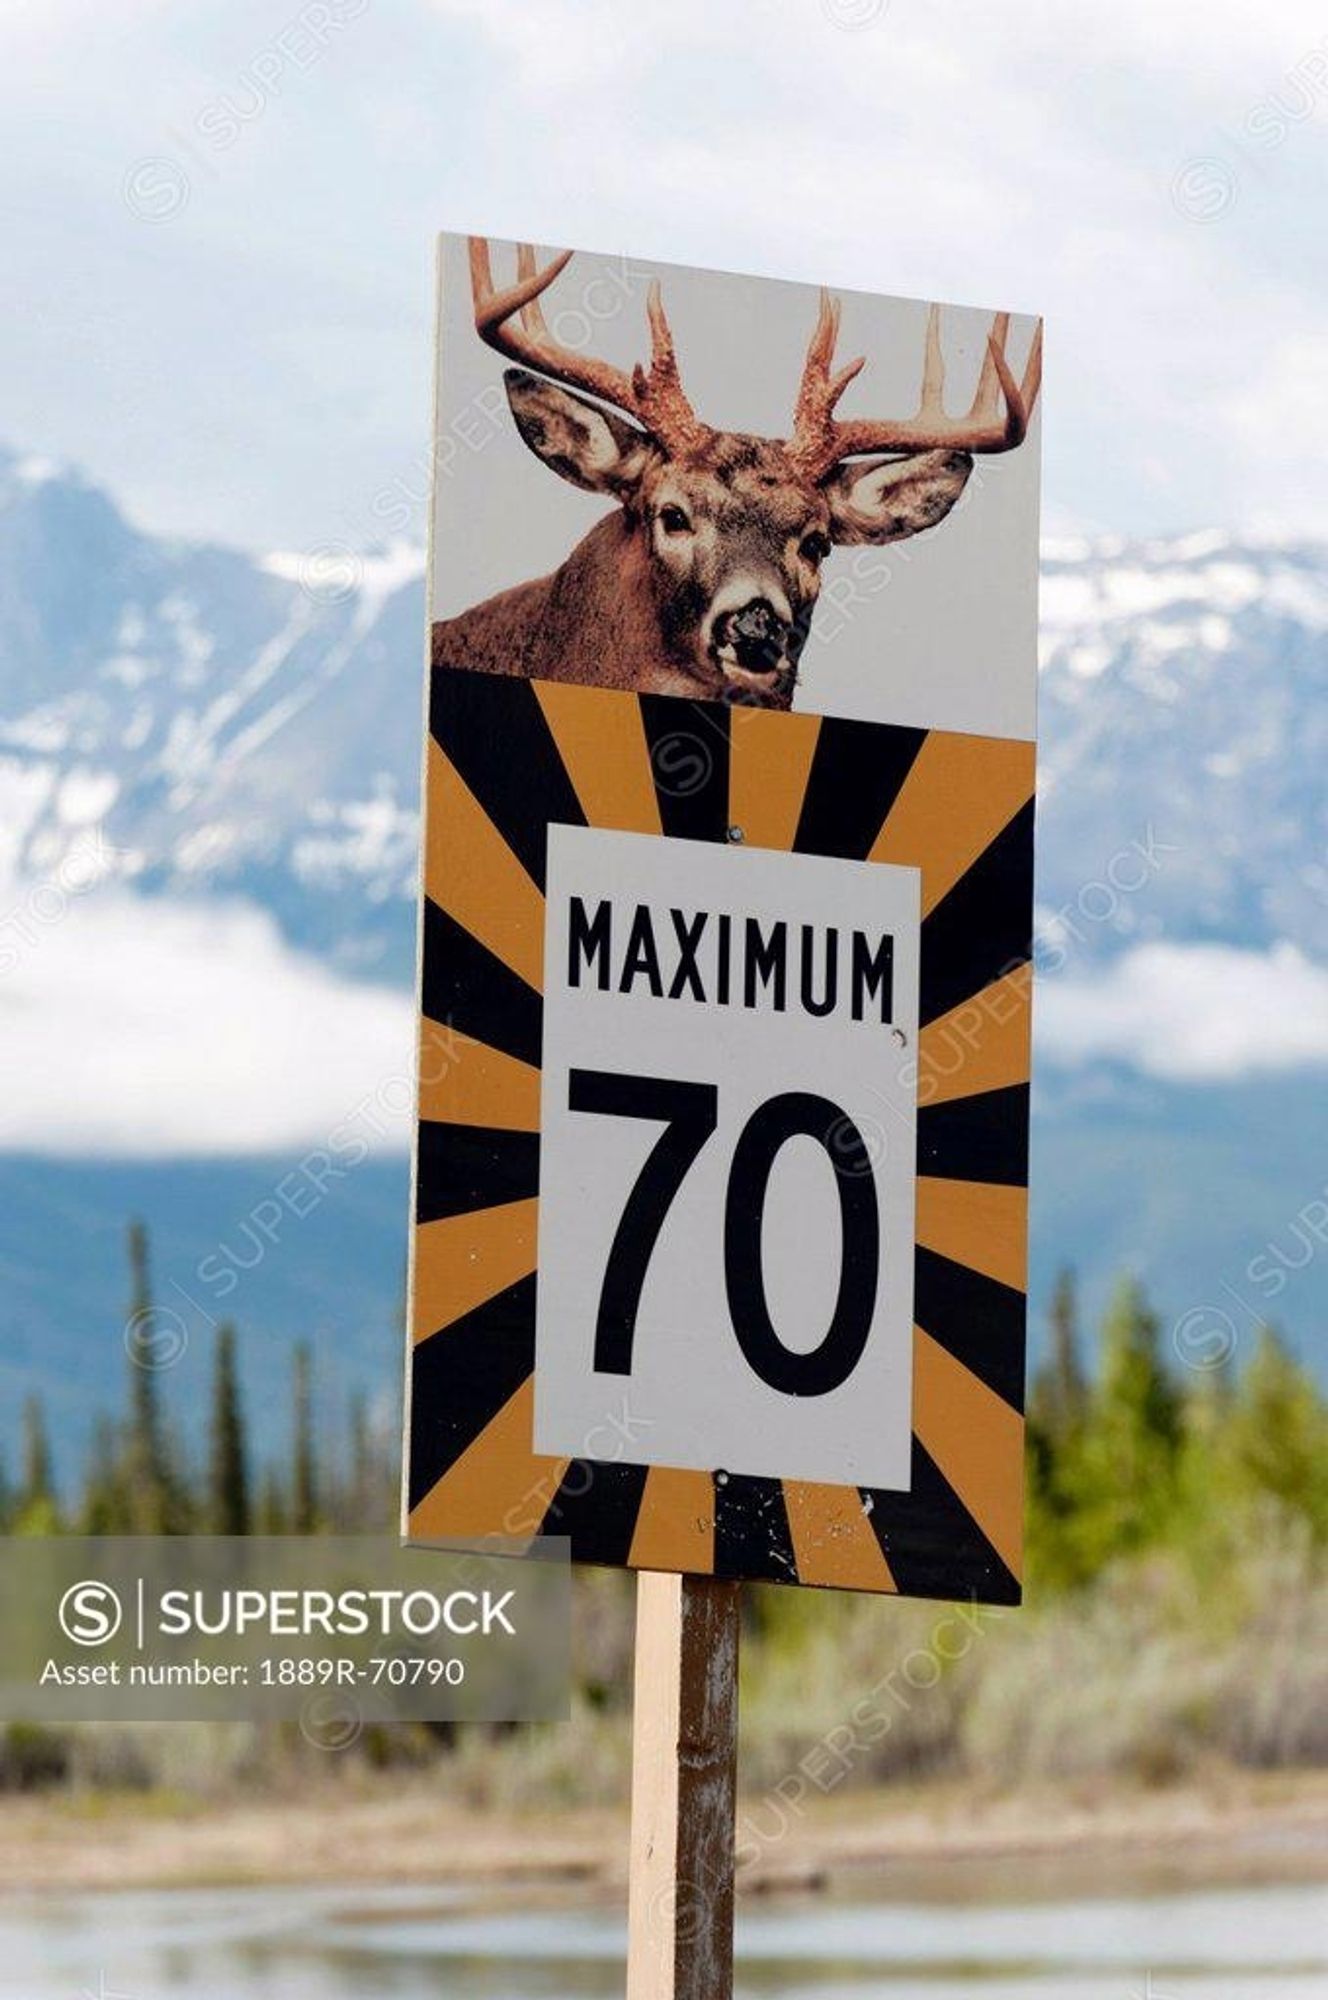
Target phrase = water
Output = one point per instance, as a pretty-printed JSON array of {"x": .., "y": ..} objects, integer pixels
[{"x": 319, "y": 1944}]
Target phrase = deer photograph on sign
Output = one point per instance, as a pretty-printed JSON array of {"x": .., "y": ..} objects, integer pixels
[
  {"x": 720, "y": 1242},
  {"x": 703, "y": 578}
]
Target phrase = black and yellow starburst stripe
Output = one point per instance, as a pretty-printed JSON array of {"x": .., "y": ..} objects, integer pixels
[{"x": 508, "y": 758}]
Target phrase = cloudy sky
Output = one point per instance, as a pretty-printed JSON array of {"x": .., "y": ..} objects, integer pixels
[
  {"x": 218, "y": 260},
  {"x": 221, "y": 218}
]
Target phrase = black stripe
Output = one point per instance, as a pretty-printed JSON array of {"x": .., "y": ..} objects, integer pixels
[
  {"x": 462, "y": 1376},
  {"x": 932, "y": 1543},
  {"x": 857, "y": 771},
  {"x": 983, "y": 926},
  {"x": 597, "y": 1505},
  {"x": 464, "y": 1167},
  {"x": 495, "y": 732},
  {"x": 976, "y": 1318},
  {"x": 689, "y": 762},
  {"x": 979, "y": 1138},
  {"x": 752, "y": 1535},
  {"x": 465, "y": 986}
]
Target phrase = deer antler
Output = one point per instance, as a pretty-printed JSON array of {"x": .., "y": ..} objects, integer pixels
[
  {"x": 512, "y": 322},
  {"x": 819, "y": 439}
]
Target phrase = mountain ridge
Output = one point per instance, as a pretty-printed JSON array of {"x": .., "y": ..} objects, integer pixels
[{"x": 248, "y": 724}]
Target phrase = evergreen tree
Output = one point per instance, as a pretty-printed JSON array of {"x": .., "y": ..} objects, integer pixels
[
  {"x": 1135, "y": 1377},
  {"x": 1207, "y": 1398},
  {"x": 1120, "y": 1478},
  {"x": 304, "y": 1470},
  {"x": 152, "y": 1495},
  {"x": 38, "y": 1511},
  {"x": 228, "y": 1463},
  {"x": 1275, "y": 1439},
  {"x": 1211, "y": 1529},
  {"x": 271, "y": 1513},
  {"x": 1060, "y": 1392},
  {"x": 104, "y": 1510},
  {"x": 360, "y": 1496},
  {"x": 38, "y": 1477},
  {"x": 1058, "y": 1406}
]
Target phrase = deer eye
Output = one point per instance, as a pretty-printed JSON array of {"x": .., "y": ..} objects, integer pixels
[
  {"x": 673, "y": 520},
  {"x": 814, "y": 548}
]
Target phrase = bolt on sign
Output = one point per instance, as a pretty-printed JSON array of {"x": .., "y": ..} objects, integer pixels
[{"x": 719, "y": 1257}]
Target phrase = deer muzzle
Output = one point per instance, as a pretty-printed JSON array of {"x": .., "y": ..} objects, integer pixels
[{"x": 751, "y": 643}]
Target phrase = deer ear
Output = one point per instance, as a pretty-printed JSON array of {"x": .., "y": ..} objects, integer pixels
[
  {"x": 888, "y": 499},
  {"x": 592, "y": 447}
]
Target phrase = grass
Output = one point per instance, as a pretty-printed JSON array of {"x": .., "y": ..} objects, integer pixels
[{"x": 1163, "y": 1667}]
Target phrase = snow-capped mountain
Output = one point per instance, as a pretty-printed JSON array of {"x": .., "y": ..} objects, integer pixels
[
  {"x": 237, "y": 725},
  {"x": 1184, "y": 690},
  {"x": 250, "y": 726}
]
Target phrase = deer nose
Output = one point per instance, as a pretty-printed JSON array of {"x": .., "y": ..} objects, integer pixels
[{"x": 754, "y": 635}]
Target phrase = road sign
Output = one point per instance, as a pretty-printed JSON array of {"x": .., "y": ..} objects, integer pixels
[
  {"x": 720, "y": 1188},
  {"x": 727, "y": 1151}
]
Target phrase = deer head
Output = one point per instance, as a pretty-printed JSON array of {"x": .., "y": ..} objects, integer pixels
[{"x": 733, "y": 530}]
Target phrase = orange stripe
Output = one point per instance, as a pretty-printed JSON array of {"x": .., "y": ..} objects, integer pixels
[
  {"x": 675, "y": 1526},
  {"x": 471, "y": 872},
  {"x": 770, "y": 757},
  {"x": 977, "y": 1223},
  {"x": 498, "y": 1486},
  {"x": 602, "y": 742},
  {"x": 464, "y": 1259},
  {"x": 958, "y": 795},
  {"x": 832, "y": 1538},
  {"x": 976, "y": 1439},
  {"x": 465, "y": 1082},
  {"x": 982, "y": 1044}
]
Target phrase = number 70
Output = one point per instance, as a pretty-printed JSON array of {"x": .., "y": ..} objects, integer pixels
[{"x": 689, "y": 1113}]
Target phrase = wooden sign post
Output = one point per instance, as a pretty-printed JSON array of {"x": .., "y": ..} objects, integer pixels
[{"x": 684, "y": 1780}]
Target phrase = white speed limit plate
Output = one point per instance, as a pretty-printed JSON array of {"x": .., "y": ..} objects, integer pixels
[{"x": 727, "y": 1183}]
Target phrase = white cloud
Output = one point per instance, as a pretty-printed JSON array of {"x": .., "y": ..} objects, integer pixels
[
  {"x": 139, "y": 1028},
  {"x": 1111, "y": 178},
  {"x": 1281, "y": 418},
  {"x": 142, "y": 1028},
  {"x": 1197, "y": 1013}
]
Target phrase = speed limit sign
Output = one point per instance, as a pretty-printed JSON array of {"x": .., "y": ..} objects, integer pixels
[
  {"x": 720, "y": 1184},
  {"x": 721, "y": 1176},
  {"x": 728, "y": 1155}
]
